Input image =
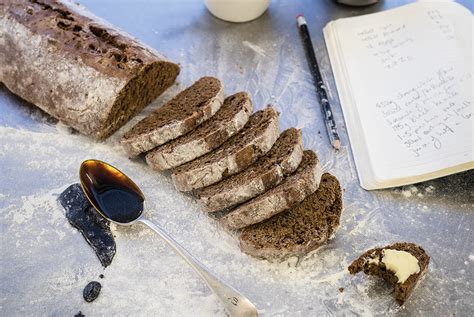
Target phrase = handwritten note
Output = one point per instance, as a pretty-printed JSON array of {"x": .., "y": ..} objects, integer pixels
[
  {"x": 423, "y": 117},
  {"x": 440, "y": 22},
  {"x": 405, "y": 79},
  {"x": 388, "y": 43}
]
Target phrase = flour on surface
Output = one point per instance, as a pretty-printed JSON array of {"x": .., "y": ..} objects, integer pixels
[{"x": 257, "y": 49}]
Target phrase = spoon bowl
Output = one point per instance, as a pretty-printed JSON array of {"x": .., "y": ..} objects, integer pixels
[
  {"x": 118, "y": 199},
  {"x": 112, "y": 193}
]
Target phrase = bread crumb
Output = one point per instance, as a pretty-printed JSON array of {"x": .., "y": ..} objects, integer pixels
[
  {"x": 408, "y": 192},
  {"x": 413, "y": 189},
  {"x": 430, "y": 189}
]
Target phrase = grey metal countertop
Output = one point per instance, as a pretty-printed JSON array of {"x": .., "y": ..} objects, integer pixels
[{"x": 45, "y": 263}]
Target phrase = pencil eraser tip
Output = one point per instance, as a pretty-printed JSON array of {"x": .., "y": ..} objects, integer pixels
[{"x": 300, "y": 19}]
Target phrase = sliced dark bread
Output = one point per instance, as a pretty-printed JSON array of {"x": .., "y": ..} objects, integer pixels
[
  {"x": 77, "y": 67},
  {"x": 291, "y": 191},
  {"x": 267, "y": 172},
  {"x": 230, "y": 119},
  {"x": 372, "y": 263},
  {"x": 180, "y": 115},
  {"x": 235, "y": 155},
  {"x": 299, "y": 230}
]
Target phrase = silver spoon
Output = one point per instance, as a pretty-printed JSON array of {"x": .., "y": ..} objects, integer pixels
[{"x": 117, "y": 198}]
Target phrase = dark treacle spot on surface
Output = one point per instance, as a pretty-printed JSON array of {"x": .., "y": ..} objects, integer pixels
[
  {"x": 101, "y": 276},
  {"x": 83, "y": 216},
  {"x": 113, "y": 194},
  {"x": 91, "y": 291}
]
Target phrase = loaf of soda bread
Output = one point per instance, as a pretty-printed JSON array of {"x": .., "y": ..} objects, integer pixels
[{"x": 77, "y": 67}]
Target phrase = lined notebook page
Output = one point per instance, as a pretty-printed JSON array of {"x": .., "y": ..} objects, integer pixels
[{"x": 409, "y": 74}]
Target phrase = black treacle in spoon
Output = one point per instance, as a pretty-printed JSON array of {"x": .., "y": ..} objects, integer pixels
[
  {"x": 112, "y": 193},
  {"x": 117, "y": 198}
]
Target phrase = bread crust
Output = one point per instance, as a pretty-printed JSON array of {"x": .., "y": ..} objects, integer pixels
[
  {"x": 173, "y": 154},
  {"x": 244, "y": 186},
  {"x": 299, "y": 230},
  {"x": 136, "y": 143},
  {"x": 77, "y": 67},
  {"x": 293, "y": 190},
  {"x": 201, "y": 173}
]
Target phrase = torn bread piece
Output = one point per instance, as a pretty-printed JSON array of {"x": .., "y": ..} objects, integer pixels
[{"x": 402, "y": 264}]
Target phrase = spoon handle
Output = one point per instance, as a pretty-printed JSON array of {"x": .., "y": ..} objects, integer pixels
[{"x": 235, "y": 303}]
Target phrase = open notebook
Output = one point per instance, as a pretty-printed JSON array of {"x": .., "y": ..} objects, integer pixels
[{"x": 404, "y": 79}]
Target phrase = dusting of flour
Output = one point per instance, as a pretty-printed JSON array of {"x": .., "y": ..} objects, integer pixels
[{"x": 46, "y": 263}]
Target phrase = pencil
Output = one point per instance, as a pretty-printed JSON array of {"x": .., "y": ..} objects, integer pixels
[{"x": 318, "y": 82}]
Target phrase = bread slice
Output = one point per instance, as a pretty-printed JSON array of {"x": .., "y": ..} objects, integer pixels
[
  {"x": 77, "y": 67},
  {"x": 267, "y": 172},
  {"x": 291, "y": 191},
  {"x": 371, "y": 264},
  {"x": 235, "y": 155},
  {"x": 180, "y": 115},
  {"x": 230, "y": 119},
  {"x": 299, "y": 230}
]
